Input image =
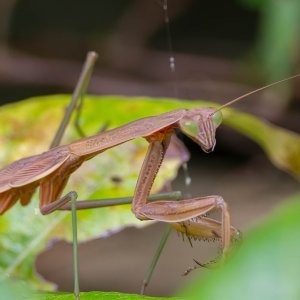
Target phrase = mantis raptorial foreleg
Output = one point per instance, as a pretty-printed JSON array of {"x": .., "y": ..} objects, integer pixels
[{"x": 185, "y": 212}]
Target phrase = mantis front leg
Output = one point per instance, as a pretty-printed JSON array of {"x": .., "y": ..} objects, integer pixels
[{"x": 185, "y": 216}]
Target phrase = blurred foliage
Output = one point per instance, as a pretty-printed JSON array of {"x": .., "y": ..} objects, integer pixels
[
  {"x": 275, "y": 54},
  {"x": 278, "y": 37},
  {"x": 254, "y": 4},
  {"x": 10, "y": 290},
  {"x": 265, "y": 266},
  {"x": 28, "y": 128},
  {"x": 282, "y": 146},
  {"x": 278, "y": 42}
]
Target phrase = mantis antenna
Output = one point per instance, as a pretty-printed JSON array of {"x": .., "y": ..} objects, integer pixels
[{"x": 253, "y": 92}]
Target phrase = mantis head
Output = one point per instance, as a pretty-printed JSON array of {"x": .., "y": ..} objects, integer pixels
[{"x": 200, "y": 125}]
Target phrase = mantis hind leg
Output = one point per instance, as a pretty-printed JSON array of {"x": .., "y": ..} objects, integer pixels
[
  {"x": 77, "y": 96},
  {"x": 57, "y": 204},
  {"x": 49, "y": 208}
]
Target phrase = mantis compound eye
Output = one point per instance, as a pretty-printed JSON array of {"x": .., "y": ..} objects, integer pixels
[
  {"x": 190, "y": 127},
  {"x": 200, "y": 127},
  {"x": 217, "y": 118}
]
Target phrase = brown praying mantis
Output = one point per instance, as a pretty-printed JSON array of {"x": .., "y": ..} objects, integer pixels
[{"x": 51, "y": 170}]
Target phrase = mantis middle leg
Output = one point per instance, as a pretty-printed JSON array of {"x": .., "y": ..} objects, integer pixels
[{"x": 78, "y": 93}]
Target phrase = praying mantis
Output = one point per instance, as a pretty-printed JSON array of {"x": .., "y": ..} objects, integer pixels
[{"x": 51, "y": 170}]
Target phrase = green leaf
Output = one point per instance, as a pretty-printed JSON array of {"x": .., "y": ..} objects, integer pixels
[
  {"x": 265, "y": 266},
  {"x": 94, "y": 295},
  {"x": 281, "y": 146},
  {"x": 10, "y": 290},
  {"x": 28, "y": 127}
]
